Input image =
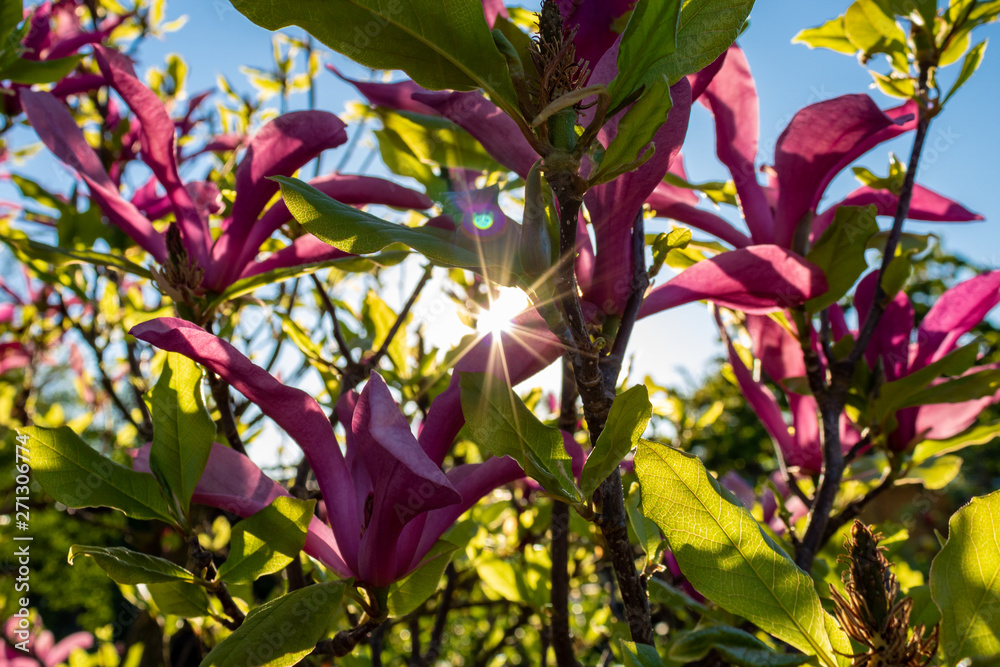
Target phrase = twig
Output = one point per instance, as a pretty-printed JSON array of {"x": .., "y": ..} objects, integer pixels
[
  {"x": 441, "y": 617},
  {"x": 203, "y": 563},
  {"x": 345, "y": 350},
  {"x": 562, "y": 639},
  {"x": 400, "y": 318},
  {"x": 345, "y": 640}
]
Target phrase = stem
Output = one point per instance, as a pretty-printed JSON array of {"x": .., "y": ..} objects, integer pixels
[
  {"x": 832, "y": 397},
  {"x": 400, "y": 318},
  {"x": 345, "y": 640},
  {"x": 562, "y": 638},
  {"x": 227, "y": 421},
  {"x": 441, "y": 617},
  {"x": 597, "y": 398}
]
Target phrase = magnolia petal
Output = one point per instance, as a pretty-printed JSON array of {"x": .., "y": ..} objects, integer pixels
[
  {"x": 808, "y": 453},
  {"x": 234, "y": 483},
  {"x": 472, "y": 482},
  {"x": 778, "y": 350},
  {"x": 499, "y": 135},
  {"x": 732, "y": 99},
  {"x": 526, "y": 348},
  {"x": 758, "y": 279},
  {"x": 594, "y": 22},
  {"x": 345, "y": 188},
  {"x": 492, "y": 9},
  {"x": 292, "y": 409},
  {"x": 925, "y": 205},
  {"x": 278, "y": 149},
  {"x": 60, "y": 652},
  {"x": 820, "y": 140},
  {"x": 701, "y": 79},
  {"x": 58, "y": 130},
  {"x": 405, "y": 482},
  {"x": 890, "y": 341},
  {"x": 398, "y": 95},
  {"x": 157, "y": 140},
  {"x": 304, "y": 250},
  {"x": 953, "y": 315},
  {"x": 665, "y": 201},
  {"x": 614, "y": 205}
]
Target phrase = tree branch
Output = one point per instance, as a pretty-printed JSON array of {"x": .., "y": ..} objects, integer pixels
[{"x": 562, "y": 638}]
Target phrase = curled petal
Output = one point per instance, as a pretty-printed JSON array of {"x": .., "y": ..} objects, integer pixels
[
  {"x": 778, "y": 350},
  {"x": 732, "y": 99},
  {"x": 487, "y": 124},
  {"x": 304, "y": 250},
  {"x": 666, "y": 202},
  {"x": 405, "y": 482},
  {"x": 156, "y": 137},
  {"x": 58, "y": 130},
  {"x": 758, "y": 279},
  {"x": 398, "y": 95},
  {"x": 279, "y": 149},
  {"x": 821, "y": 140},
  {"x": 292, "y": 409},
  {"x": 924, "y": 205},
  {"x": 890, "y": 341},
  {"x": 953, "y": 315},
  {"x": 234, "y": 483}
]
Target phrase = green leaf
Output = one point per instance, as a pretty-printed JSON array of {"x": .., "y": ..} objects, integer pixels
[
  {"x": 438, "y": 140},
  {"x": 77, "y": 476},
  {"x": 979, "y": 435},
  {"x": 831, "y": 35},
  {"x": 706, "y": 29},
  {"x": 970, "y": 64},
  {"x": 11, "y": 14},
  {"x": 179, "y": 598},
  {"x": 631, "y": 146},
  {"x": 629, "y": 416},
  {"x": 441, "y": 44},
  {"x": 646, "y": 531},
  {"x": 898, "y": 393},
  {"x": 281, "y": 632},
  {"x": 934, "y": 473},
  {"x": 268, "y": 540},
  {"x": 63, "y": 256},
  {"x": 734, "y": 646},
  {"x": 965, "y": 388},
  {"x": 840, "y": 252},
  {"x": 39, "y": 71},
  {"x": 131, "y": 567},
  {"x": 348, "y": 229},
  {"x": 410, "y": 592},
  {"x": 649, "y": 40},
  {"x": 639, "y": 655},
  {"x": 502, "y": 425},
  {"x": 183, "y": 430},
  {"x": 725, "y": 554},
  {"x": 965, "y": 581},
  {"x": 871, "y": 26}
]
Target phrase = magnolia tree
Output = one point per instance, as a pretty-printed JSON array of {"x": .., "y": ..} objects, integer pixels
[{"x": 436, "y": 515}]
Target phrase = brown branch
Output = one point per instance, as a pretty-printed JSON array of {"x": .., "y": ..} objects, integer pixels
[
  {"x": 400, "y": 318},
  {"x": 562, "y": 638},
  {"x": 227, "y": 421}
]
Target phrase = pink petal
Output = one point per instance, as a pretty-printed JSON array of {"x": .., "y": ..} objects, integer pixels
[
  {"x": 492, "y": 9},
  {"x": 595, "y": 23},
  {"x": 398, "y": 95},
  {"x": 472, "y": 482},
  {"x": 491, "y": 127},
  {"x": 891, "y": 338},
  {"x": 234, "y": 483},
  {"x": 925, "y": 205},
  {"x": 525, "y": 349},
  {"x": 614, "y": 205},
  {"x": 279, "y": 149},
  {"x": 758, "y": 279},
  {"x": 405, "y": 482},
  {"x": 808, "y": 453},
  {"x": 763, "y": 403},
  {"x": 944, "y": 420},
  {"x": 954, "y": 314},
  {"x": 779, "y": 352},
  {"x": 702, "y": 78},
  {"x": 732, "y": 100},
  {"x": 665, "y": 201},
  {"x": 157, "y": 140},
  {"x": 345, "y": 188},
  {"x": 61, "y": 651},
  {"x": 304, "y": 250},
  {"x": 57, "y": 129},
  {"x": 292, "y": 409},
  {"x": 821, "y": 140}
]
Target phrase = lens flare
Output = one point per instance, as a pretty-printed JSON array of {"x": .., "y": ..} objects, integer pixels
[{"x": 509, "y": 302}]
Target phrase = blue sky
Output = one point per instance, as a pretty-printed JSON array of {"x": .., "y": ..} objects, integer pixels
[{"x": 960, "y": 159}]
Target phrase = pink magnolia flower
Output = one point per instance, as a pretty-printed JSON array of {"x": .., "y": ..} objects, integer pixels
[
  {"x": 280, "y": 148},
  {"x": 386, "y": 497},
  {"x": 819, "y": 142},
  {"x": 43, "y": 650}
]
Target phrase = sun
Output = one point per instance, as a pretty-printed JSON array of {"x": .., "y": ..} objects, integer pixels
[{"x": 508, "y": 303}]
